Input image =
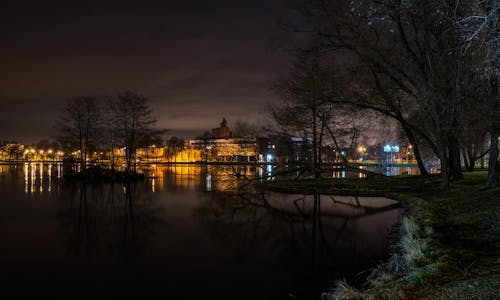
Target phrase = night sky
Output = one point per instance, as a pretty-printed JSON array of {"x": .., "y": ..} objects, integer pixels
[{"x": 197, "y": 61}]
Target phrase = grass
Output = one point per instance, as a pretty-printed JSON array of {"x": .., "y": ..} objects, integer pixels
[{"x": 450, "y": 240}]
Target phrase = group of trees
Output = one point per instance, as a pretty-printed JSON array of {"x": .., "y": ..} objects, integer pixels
[
  {"x": 432, "y": 66},
  {"x": 90, "y": 124},
  {"x": 10, "y": 150},
  {"x": 307, "y": 109}
]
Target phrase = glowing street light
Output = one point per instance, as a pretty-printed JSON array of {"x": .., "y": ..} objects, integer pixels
[{"x": 361, "y": 151}]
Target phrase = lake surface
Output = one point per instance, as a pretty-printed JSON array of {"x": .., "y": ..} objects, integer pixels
[{"x": 191, "y": 231}]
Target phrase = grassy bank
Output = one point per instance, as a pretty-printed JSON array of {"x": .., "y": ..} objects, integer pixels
[{"x": 450, "y": 241}]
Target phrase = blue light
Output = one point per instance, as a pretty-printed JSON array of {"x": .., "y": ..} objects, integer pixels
[
  {"x": 391, "y": 148},
  {"x": 269, "y": 157}
]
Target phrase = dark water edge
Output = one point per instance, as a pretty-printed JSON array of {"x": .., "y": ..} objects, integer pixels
[{"x": 188, "y": 232}]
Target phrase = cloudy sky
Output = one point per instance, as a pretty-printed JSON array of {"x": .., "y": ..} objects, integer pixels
[{"x": 197, "y": 61}]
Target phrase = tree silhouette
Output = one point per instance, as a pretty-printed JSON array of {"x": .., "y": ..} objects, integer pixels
[
  {"x": 78, "y": 127},
  {"x": 133, "y": 120}
]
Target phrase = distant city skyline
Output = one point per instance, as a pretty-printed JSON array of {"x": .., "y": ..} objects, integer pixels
[{"x": 197, "y": 62}]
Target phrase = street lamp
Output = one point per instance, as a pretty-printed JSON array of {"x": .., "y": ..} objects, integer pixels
[
  {"x": 361, "y": 151},
  {"x": 409, "y": 153}
]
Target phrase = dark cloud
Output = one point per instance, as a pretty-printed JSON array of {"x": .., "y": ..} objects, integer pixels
[{"x": 196, "y": 60}]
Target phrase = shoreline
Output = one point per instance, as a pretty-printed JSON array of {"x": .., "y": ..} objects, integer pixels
[{"x": 449, "y": 242}]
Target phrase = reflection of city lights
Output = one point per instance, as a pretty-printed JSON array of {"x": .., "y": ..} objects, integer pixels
[
  {"x": 208, "y": 178},
  {"x": 32, "y": 177},
  {"x": 41, "y": 178},
  {"x": 26, "y": 178},
  {"x": 50, "y": 177},
  {"x": 269, "y": 170}
]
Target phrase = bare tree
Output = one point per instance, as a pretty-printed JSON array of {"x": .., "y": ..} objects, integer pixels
[
  {"x": 308, "y": 107},
  {"x": 133, "y": 120},
  {"x": 245, "y": 129},
  {"x": 411, "y": 64},
  {"x": 77, "y": 127},
  {"x": 303, "y": 102},
  {"x": 477, "y": 21},
  {"x": 175, "y": 145},
  {"x": 208, "y": 149}
]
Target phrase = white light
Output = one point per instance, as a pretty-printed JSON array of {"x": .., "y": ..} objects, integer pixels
[{"x": 269, "y": 157}]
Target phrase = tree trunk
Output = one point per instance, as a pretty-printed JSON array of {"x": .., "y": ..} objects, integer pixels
[
  {"x": 454, "y": 163},
  {"x": 315, "y": 142},
  {"x": 469, "y": 158},
  {"x": 493, "y": 161},
  {"x": 445, "y": 174},
  {"x": 416, "y": 150}
]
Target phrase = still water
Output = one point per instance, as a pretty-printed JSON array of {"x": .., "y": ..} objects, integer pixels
[{"x": 186, "y": 232}]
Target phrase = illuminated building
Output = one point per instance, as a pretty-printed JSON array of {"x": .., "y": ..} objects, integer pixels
[
  {"x": 222, "y": 132},
  {"x": 226, "y": 150}
]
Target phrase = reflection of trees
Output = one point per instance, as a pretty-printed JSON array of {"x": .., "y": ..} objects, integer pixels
[
  {"x": 315, "y": 236},
  {"x": 108, "y": 219}
]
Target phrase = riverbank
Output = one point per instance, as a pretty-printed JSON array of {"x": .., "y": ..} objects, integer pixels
[{"x": 450, "y": 241}]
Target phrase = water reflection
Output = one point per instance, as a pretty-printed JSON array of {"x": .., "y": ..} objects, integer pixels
[
  {"x": 108, "y": 219},
  {"x": 312, "y": 238},
  {"x": 400, "y": 170},
  {"x": 227, "y": 177},
  {"x": 206, "y": 177},
  {"x": 38, "y": 177},
  {"x": 201, "y": 230}
]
